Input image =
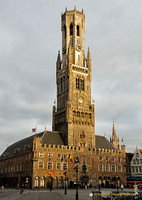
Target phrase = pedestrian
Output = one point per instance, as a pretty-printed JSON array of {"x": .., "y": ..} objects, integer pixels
[
  {"x": 99, "y": 187},
  {"x": 122, "y": 187},
  {"x": 2, "y": 188},
  {"x": 51, "y": 186},
  {"x": 21, "y": 190}
]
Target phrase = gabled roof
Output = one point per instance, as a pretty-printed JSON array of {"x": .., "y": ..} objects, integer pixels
[
  {"x": 103, "y": 143},
  {"x": 52, "y": 137}
]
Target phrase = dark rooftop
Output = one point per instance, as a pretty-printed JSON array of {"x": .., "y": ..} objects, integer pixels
[
  {"x": 52, "y": 137},
  {"x": 103, "y": 143}
]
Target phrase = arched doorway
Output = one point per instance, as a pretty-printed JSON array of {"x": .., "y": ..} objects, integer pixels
[
  {"x": 61, "y": 181},
  {"x": 49, "y": 181},
  {"x": 36, "y": 181},
  {"x": 56, "y": 181},
  {"x": 84, "y": 180},
  {"x": 113, "y": 182},
  {"x": 104, "y": 181},
  {"x": 118, "y": 182},
  {"x": 107, "y": 182},
  {"x": 42, "y": 181}
]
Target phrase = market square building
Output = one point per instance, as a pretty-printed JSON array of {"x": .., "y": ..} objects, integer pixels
[{"x": 44, "y": 157}]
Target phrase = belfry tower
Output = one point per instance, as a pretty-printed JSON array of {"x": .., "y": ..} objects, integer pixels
[{"x": 74, "y": 116}]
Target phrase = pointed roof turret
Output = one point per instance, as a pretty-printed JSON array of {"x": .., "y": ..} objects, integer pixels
[
  {"x": 114, "y": 132},
  {"x": 58, "y": 63},
  {"x": 58, "y": 57},
  {"x": 115, "y": 140},
  {"x": 88, "y": 55}
]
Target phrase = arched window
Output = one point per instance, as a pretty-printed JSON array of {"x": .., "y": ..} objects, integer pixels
[
  {"x": 77, "y": 29},
  {"x": 71, "y": 29}
]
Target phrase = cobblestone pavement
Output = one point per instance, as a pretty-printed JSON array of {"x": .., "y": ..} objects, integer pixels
[{"x": 55, "y": 194}]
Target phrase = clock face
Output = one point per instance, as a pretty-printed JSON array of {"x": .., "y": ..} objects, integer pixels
[{"x": 80, "y": 100}]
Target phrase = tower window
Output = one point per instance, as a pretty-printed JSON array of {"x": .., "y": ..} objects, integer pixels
[
  {"x": 77, "y": 29},
  {"x": 82, "y": 84},
  {"x": 71, "y": 29},
  {"x": 77, "y": 83}
]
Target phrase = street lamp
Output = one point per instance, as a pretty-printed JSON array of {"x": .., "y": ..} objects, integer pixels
[
  {"x": 65, "y": 173},
  {"x": 76, "y": 168}
]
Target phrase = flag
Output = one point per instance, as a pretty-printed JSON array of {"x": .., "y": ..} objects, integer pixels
[
  {"x": 54, "y": 102},
  {"x": 122, "y": 140},
  {"x": 93, "y": 100},
  {"x": 112, "y": 159},
  {"x": 118, "y": 160},
  {"x": 62, "y": 159},
  {"x": 33, "y": 129},
  {"x": 70, "y": 158}
]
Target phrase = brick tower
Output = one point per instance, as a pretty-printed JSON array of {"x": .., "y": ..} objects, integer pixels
[{"x": 74, "y": 116}]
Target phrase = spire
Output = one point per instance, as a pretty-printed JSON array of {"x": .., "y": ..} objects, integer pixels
[
  {"x": 114, "y": 132},
  {"x": 58, "y": 63},
  {"x": 115, "y": 140}
]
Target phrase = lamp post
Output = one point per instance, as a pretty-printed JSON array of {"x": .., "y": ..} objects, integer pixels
[
  {"x": 65, "y": 173},
  {"x": 76, "y": 168}
]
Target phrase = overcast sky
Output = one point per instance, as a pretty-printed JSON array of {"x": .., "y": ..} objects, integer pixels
[{"x": 30, "y": 37}]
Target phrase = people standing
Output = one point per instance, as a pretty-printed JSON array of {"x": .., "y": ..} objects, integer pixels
[
  {"x": 51, "y": 186},
  {"x": 122, "y": 187}
]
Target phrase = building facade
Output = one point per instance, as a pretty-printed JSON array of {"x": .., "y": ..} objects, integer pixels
[
  {"x": 136, "y": 164},
  {"x": 50, "y": 156}
]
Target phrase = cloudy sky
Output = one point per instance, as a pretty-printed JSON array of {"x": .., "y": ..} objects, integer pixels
[{"x": 30, "y": 37}]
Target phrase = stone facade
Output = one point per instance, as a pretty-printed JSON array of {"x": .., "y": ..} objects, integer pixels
[
  {"x": 74, "y": 116},
  {"x": 95, "y": 165},
  {"x": 46, "y": 157}
]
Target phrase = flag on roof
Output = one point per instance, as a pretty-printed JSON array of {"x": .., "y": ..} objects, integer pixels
[{"x": 33, "y": 129}]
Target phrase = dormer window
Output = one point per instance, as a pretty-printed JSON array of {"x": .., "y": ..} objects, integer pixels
[
  {"x": 16, "y": 150},
  {"x": 27, "y": 146}
]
